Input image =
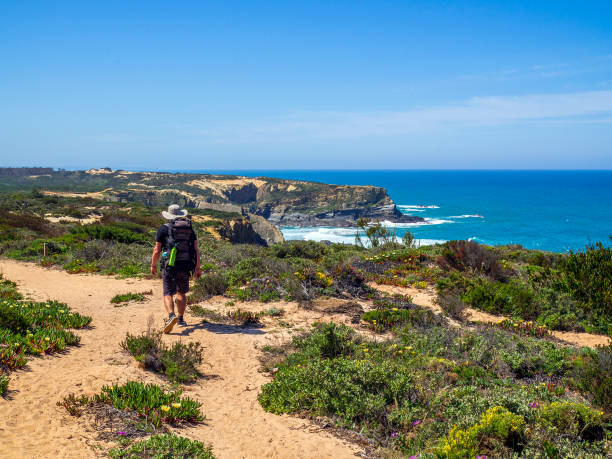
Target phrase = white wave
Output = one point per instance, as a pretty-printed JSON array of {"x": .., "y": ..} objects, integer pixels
[
  {"x": 427, "y": 222},
  {"x": 342, "y": 235},
  {"x": 416, "y": 206},
  {"x": 466, "y": 216},
  {"x": 410, "y": 209}
]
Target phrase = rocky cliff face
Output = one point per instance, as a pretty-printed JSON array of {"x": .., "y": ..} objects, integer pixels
[
  {"x": 277, "y": 201},
  {"x": 240, "y": 231}
]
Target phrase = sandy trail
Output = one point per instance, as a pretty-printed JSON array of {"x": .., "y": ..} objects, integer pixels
[
  {"x": 426, "y": 298},
  {"x": 32, "y": 425}
]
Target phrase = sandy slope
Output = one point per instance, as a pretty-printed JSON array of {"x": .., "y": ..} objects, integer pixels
[
  {"x": 426, "y": 298},
  {"x": 31, "y": 425}
]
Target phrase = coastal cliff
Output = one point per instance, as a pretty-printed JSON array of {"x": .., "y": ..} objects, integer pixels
[{"x": 263, "y": 200}]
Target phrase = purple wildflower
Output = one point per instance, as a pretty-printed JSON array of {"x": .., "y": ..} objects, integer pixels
[
  {"x": 122, "y": 433},
  {"x": 416, "y": 423},
  {"x": 481, "y": 457},
  {"x": 532, "y": 405},
  {"x": 394, "y": 434}
]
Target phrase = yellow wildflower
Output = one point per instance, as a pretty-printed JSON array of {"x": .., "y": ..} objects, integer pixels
[
  {"x": 176, "y": 405},
  {"x": 165, "y": 408}
]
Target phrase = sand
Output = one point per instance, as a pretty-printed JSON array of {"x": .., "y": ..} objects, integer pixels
[{"x": 32, "y": 425}]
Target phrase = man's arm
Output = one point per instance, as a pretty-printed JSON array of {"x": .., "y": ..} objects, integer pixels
[
  {"x": 155, "y": 257},
  {"x": 198, "y": 269}
]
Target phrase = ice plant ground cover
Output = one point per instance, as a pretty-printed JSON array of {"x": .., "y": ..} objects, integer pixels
[
  {"x": 436, "y": 391},
  {"x": 32, "y": 328},
  {"x": 151, "y": 402},
  {"x": 164, "y": 446}
]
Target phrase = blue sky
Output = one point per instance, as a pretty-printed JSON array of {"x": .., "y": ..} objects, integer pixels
[{"x": 306, "y": 85}]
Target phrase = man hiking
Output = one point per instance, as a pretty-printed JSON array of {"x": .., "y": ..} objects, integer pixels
[{"x": 176, "y": 243}]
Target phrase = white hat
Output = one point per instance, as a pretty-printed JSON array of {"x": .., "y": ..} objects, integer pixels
[{"x": 174, "y": 211}]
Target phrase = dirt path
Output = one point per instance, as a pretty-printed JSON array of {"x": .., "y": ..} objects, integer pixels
[
  {"x": 32, "y": 425},
  {"x": 426, "y": 298}
]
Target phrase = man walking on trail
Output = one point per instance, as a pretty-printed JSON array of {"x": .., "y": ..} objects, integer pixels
[{"x": 176, "y": 243}]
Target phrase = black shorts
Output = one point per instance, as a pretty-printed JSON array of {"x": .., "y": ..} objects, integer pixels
[{"x": 175, "y": 281}]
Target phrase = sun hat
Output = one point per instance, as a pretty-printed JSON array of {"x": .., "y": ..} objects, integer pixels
[{"x": 174, "y": 211}]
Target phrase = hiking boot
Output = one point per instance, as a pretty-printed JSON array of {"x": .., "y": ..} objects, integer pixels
[
  {"x": 170, "y": 323},
  {"x": 181, "y": 322}
]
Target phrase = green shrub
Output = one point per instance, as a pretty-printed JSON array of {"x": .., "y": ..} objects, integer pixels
[
  {"x": 178, "y": 362},
  {"x": 256, "y": 267},
  {"x": 496, "y": 423},
  {"x": 167, "y": 446},
  {"x": 385, "y": 319},
  {"x": 513, "y": 298},
  {"x": 8, "y": 290},
  {"x": 243, "y": 317},
  {"x": 111, "y": 233},
  {"x": 309, "y": 250},
  {"x": 127, "y": 297},
  {"x": 473, "y": 257},
  {"x": 324, "y": 378},
  {"x": 210, "y": 284},
  {"x": 4, "y": 382},
  {"x": 574, "y": 419},
  {"x": 593, "y": 375},
  {"x": 588, "y": 277}
]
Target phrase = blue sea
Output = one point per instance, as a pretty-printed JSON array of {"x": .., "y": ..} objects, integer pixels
[{"x": 548, "y": 210}]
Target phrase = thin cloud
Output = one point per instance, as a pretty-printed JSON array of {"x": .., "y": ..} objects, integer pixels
[{"x": 580, "y": 107}]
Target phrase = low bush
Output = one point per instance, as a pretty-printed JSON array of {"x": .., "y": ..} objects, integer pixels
[
  {"x": 112, "y": 232},
  {"x": 385, "y": 319},
  {"x": 151, "y": 402},
  {"x": 4, "y": 382},
  {"x": 588, "y": 277},
  {"x": 127, "y": 297},
  {"x": 497, "y": 423},
  {"x": 209, "y": 285},
  {"x": 592, "y": 374},
  {"x": 573, "y": 419},
  {"x": 473, "y": 257},
  {"x": 523, "y": 328},
  {"x": 512, "y": 298},
  {"x": 178, "y": 362},
  {"x": 451, "y": 303},
  {"x": 243, "y": 317},
  {"x": 167, "y": 446}
]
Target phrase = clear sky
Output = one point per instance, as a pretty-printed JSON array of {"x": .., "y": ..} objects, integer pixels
[{"x": 306, "y": 85}]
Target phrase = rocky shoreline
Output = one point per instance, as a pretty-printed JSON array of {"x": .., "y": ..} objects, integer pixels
[{"x": 342, "y": 218}]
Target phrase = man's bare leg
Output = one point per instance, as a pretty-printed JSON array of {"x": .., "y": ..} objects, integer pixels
[
  {"x": 181, "y": 304},
  {"x": 169, "y": 303},
  {"x": 172, "y": 319}
]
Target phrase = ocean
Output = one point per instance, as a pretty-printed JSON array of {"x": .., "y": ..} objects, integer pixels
[{"x": 548, "y": 210}]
